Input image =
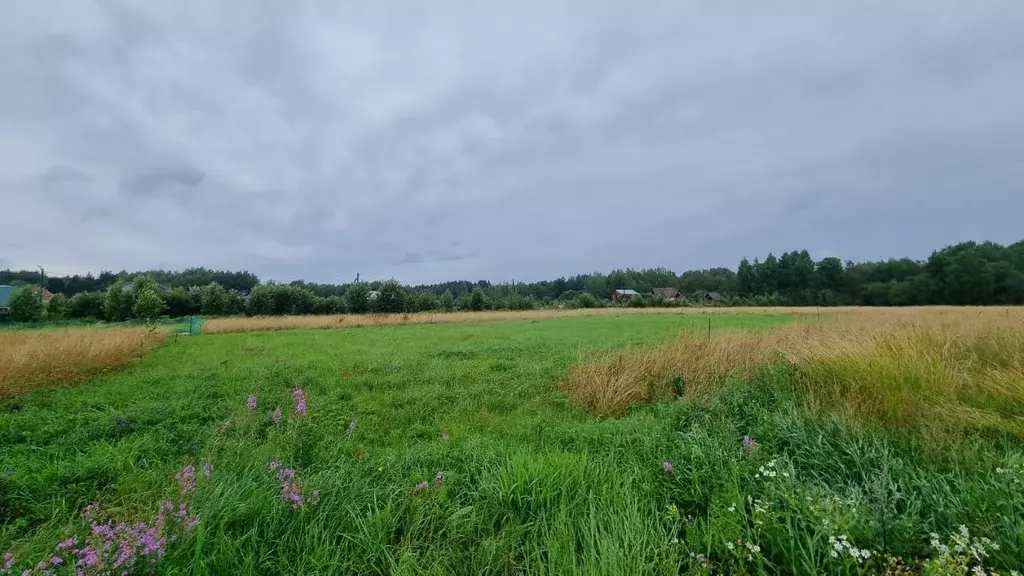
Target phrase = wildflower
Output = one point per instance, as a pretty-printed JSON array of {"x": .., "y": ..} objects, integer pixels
[
  {"x": 274, "y": 465},
  {"x": 300, "y": 401},
  {"x": 732, "y": 508},
  {"x": 187, "y": 479},
  {"x": 286, "y": 475},
  {"x": 68, "y": 543},
  {"x": 445, "y": 436},
  {"x": 290, "y": 491},
  {"x": 207, "y": 469},
  {"x": 749, "y": 443},
  {"x": 88, "y": 556},
  {"x": 251, "y": 402},
  {"x": 422, "y": 486},
  {"x": 314, "y": 497},
  {"x": 440, "y": 477},
  {"x": 730, "y": 546},
  {"x": 276, "y": 416},
  {"x": 8, "y": 561},
  {"x": 702, "y": 558},
  {"x": 352, "y": 426},
  {"x": 666, "y": 466}
]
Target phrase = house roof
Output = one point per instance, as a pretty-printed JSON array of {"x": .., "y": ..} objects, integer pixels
[
  {"x": 667, "y": 292},
  {"x": 5, "y": 295},
  {"x": 716, "y": 296},
  {"x": 627, "y": 292}
]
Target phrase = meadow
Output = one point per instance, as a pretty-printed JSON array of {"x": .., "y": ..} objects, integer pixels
[{"x": 878, "y": 441}]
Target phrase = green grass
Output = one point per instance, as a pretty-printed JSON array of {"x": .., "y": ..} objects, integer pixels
[{"x": 532, "y": 484}]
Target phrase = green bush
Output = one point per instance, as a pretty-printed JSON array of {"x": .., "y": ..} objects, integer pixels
[
  {"x": 27, "y": 304},
  {"x": 260, "y": 301},
  {"x": 59, "y": 307},
  {"x": 585, "y": 300},
  {"x": 119, "y": 302},
  {"x": 88, "y": 305},
  {"x": 148, "y": 304},
  {"x": 447, "y": 301},
  {"x": 213, "y": 298},
  {"x": 392, "y": 297},
  {"x": 477, "y": 300},
  {"x": 357, "y": 298}
]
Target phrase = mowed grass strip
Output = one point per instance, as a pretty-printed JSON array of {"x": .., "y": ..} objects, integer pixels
[
  {"x": 263, "y": 323},
  {"x": 29, "y": 358}
]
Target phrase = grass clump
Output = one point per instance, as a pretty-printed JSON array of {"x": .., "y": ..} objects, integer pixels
[
  {"x": 937, "y": 370},
  {"x": 29, "y": 358}
]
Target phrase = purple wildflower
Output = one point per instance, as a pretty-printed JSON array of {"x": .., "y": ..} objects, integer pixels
[
  {"x": 290, "y": 491},
  {"x": 352, "y": 426},
  {"x": 276, "y": 416},
  {"x": 422, "y": 486},
  {"x": 275, "y": 465},
  {"x": 8, "y": 561},
  {"x": 251, "y": 402},
  {"x": 68, "y": 543},
  {"x": 91, "y": 510},
  {"x": 207, "y": 469},
  {"x": 187, "y": 479},
  {"x": 440, "y": 477},
  {"x": 88, "y": 556},
  {"x": 300, "y": 401},
  {"x": 26, "y": 572},
  {"x": 666, "y": 466},
  {"x": 286, "y": 475},
  {"x": 314, "y": 497},
  {"x": 749, "y": 443},
  {"x": 56, "y": 560}
]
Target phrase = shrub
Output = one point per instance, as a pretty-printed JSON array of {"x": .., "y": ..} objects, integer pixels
[
  {"x": 180, "y": 303},
  {"x": 357, "y": 298},
  {"x": 213, "y": 298},
  {"x": 27, "y": 304},
  {"x": 392, "y": 297},
  {"x": 585, "y": 300},
  {"x": 148, "y": 304},
  {"x": 59, "y": 307},
  {"x": 447, "y": 301},
  {"x": 260, "y": 301},
  {"x": 88, "y": 305},
  {"x": 477, "y": 300},
  {"x": 119, "y": 302}
]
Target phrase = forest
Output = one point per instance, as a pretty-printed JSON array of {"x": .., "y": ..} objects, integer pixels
[{"x": 968, "y": 273}]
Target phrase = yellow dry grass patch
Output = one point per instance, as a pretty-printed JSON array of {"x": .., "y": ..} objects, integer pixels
[
  {"x": 950, "y": 367},
  {"x": 33, "y": 357},
  {"x": 260, "y": 323}
]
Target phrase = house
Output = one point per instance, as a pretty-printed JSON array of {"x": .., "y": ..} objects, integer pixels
[
  {"x": 47, "y": 295},
  {"x": 5, "y": 297},
  {"x": 667, "y": 293},
  {"x": 713, "y": 297},
  {"x": 374, "y": 294},
  {"x": 624, "y": 294}
]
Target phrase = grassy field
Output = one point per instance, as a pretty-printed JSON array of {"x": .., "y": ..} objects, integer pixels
[{"x": 478, "y": 448}]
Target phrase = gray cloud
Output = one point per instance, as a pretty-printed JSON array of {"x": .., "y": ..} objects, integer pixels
[{"x": 528, "y": 140}]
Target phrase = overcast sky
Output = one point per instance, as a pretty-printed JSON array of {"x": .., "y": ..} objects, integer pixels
[{"x": 524, "y": 139}]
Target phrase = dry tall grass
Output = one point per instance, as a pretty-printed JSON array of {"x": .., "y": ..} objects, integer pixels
[
  {"x": 31, "y": 358},
  {"x": 904, "y": 367},
  {"x": 261, "y": 323}
]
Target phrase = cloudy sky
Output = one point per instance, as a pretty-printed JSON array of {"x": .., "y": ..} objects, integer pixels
[{"x": 489, "y": 139}]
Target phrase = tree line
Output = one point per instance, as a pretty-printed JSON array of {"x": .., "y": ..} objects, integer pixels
[{"x": 968, "y": 273}]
